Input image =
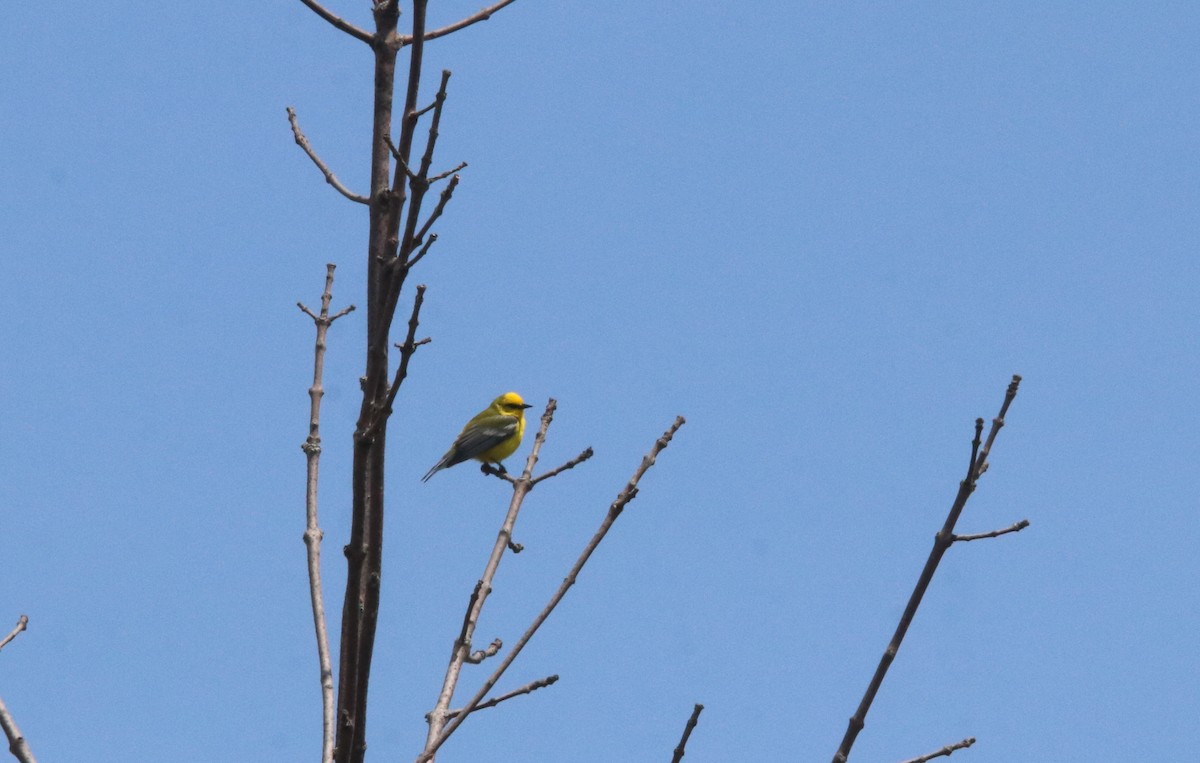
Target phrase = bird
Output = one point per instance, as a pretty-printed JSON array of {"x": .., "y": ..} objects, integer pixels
[{"x": 491, "y": 435}]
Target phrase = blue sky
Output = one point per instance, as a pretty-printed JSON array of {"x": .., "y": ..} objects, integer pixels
[{"x": 826, "y": 233}]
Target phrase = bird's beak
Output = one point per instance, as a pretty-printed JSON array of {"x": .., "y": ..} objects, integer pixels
[{"x": 526, "y": 405}]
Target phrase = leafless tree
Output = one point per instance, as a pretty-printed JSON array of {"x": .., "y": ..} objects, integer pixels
[{"x": 400, "y": 235}]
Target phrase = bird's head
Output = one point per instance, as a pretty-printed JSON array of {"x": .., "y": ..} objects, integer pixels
[{"x": 510, "y": 404}]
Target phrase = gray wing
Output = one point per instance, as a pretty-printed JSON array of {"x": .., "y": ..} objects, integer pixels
[
  {"x": 478, "y": 437},
  {"x": 481, "y": 437}
]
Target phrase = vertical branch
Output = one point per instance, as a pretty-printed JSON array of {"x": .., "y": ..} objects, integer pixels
[
  {"x": 420, "y": 181},
  {"x": 942, "y": 541},
  {"x": 462, "y": 645},
  {"x": 313, "y": 533},
  {"x": 386, "y": 199},
  {"x": 360, "y": 607}
]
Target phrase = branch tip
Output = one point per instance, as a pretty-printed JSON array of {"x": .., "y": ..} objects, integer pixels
[
  {"x": 943, "y": 752},
  {"x": 338, "y": 23},
  {"x": 330, "y": 178},
  {"x": 687, "y": 732}
]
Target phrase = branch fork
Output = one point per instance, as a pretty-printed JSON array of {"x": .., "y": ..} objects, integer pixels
[
  {"x": 944, "y": 538},
  {"x": 443, "y": 722}
]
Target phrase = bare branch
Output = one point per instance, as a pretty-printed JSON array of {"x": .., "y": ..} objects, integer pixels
[
  {"x": 338, "y": 23},
  {"x": 419, "y": 183},
  {"x": 22, "y": 623},
  {"x": 447, "y": 173},
  {"x": 993, "y": 534},
  {"x": 479, "y": 656},
  {"x": 687, "y": 732},
  {"x": 401, "y": 163},
  {"x": 406, "y": 352},
  {"x": 443, "y": 200},
  {"x": 330, "y": 178},
  {"x": 364, "y": 548},
  {"x": 462, "y": 645},
  {"x": 474, "y": 18},
  {"x": 532, "y": 686},
  {"x": 313, "y": 533},
  {"x": 945, "y": 751},
  {"x": 16, "y": 741},
  {"x": 941, "y": 542},
  {"x": 614, "y": 510},
  {"x": 584, "y": 456},
  {"x": 424, "y": 249}
]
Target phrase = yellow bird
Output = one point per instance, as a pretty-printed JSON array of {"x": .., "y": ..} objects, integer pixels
[{"x": 490, "y": 436}]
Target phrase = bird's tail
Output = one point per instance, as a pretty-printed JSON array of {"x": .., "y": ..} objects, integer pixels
[{"x": 436, "y": 468}]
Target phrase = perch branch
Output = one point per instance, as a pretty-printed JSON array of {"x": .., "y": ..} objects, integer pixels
[
  {"x": 462, "y": 645},
  {"x": 614, "y": 510},
  {"x": 945, "y": 751},
  {"x": 532, "y": 686},
  {"x": 687, "y": 732},
  {"x": 338, "y": 23},
  {"x": 941, "y": 542},
  {"x": 330, "y": 178},
  {"x": 313, "y": 533}
]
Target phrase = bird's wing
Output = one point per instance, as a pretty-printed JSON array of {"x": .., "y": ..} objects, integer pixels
[{"x": 482, "y": 435}]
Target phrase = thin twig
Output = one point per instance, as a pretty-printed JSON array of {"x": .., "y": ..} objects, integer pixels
[
  {"x": 474, "y": 18},
  {"x": 313, "y": 533},
  {"x": 532, "y": 686},
  {"x": 447, "y": 173},
  {"x": 584, "y": 456},
  {"x": 687, "y": 732},
  {"x": 406, "y": 352},
  {"x": 443, "y": 200},
  {"x": 22, "y": 623},
  {"x": 479, "y": 656},
  {"x": 398, "y": 157},
  {"x": 439, "y": 101},
  {"x": 462, "y": 645},
  {"x": 945, "y": 751},
  {"x": 993, "y": 534},
  {"x": 941, "y": 542},
  {"x": 330, "y": 178},
  {"x": 419, "y": 183},
  {"x": 433, "y": 237},
  {"x": 345, "y": 26},
  {"x": 614, "y": 510}
]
